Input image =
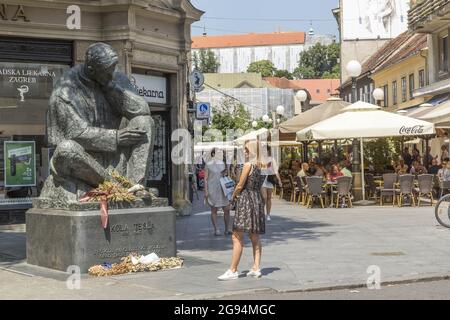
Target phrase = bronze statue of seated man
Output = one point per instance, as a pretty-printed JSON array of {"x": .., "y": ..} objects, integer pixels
[{"x": 98, "y": 124}]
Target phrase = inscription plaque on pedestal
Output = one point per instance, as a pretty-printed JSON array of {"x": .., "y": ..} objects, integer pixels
[{"x": 58, "y": 239}]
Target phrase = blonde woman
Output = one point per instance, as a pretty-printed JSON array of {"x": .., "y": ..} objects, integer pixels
[
  {"x": 249, "y": 217},
  {"x": 270, "y": 168}
]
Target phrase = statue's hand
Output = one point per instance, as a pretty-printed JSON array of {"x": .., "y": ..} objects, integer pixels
[{"x": 130, "y": 137}]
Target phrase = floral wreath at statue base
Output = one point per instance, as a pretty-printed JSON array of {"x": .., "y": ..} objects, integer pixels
[{"x": 131, "y": 264}]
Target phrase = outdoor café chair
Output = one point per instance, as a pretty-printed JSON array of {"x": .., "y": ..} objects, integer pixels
[
  {"x": 406, "y": 182},
  {"x": 388, "y": 190},
  {"x": 343, "y": 188},
  {"x": 314, "y": 190},
  {"x": 293, "y": 189},
  {"x": 443, "y": 186},
  {"x": 286, "y": 189},
  {"x": 300, "y": 190},
  {"x": 284, "y": 181},
  {"x": 425, "y": 187},
  {"x": 371, "y": 187}
]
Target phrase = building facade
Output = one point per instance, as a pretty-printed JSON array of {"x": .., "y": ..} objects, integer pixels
[
  {"x": 402, "y": 73},
  {"x": 432, "y": 19},
  {"x": 366, "y": 25},
  {"x": 365, "y": 83},
  {"x": 41, "y": 39},
  {"x": 236, "y": 52}
]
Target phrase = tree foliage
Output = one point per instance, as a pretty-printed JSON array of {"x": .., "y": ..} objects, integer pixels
[
  {"x": 319, "y": 62},
  {"x": 381, "y": 152},
  {"x": 283, "y": 74},
  {"x": 206, "y": 61},
  {"x": 265, "y": 67},
  {"x": 231, "y": 115}
]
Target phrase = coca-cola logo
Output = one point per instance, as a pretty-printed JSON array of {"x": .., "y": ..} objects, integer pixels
[{"x": 411, "y": 130}]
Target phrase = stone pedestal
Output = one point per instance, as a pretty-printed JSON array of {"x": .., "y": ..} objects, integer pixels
[{"x": 57, "y": 239}]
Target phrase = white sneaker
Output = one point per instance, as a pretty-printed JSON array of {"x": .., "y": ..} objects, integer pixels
[
  {"x": 268, "y": 217},
  {"x": 255, "y": 274},
  {"x": 229, "y": 276}
]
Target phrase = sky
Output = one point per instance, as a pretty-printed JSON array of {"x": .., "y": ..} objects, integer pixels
[{"x": 246, "y": 16}]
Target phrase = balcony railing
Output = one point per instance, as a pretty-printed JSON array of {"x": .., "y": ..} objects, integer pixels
[{"x": 423, "y": 11}]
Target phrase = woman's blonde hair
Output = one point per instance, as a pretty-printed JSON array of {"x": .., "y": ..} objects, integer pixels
[{"x": 254, "y": 151}]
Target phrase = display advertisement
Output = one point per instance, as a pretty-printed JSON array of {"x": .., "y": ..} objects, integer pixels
[
  {"x": 373, "y": 19},
  {"x": 20, "y": 163}
]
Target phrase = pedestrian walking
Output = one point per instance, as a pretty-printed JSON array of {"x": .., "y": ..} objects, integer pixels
[
  {"x": 271, "y": 177},
  {"x": 249, "y": 217},
  {"x": 214, "y": 170}
]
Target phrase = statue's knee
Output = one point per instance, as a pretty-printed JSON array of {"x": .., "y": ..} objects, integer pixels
[{"x": 68, "y": 147}]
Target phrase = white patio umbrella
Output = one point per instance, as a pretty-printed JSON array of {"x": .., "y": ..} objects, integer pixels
[
  {"x": 253, "y": 135},
  {"x": 364, "y": 120}
]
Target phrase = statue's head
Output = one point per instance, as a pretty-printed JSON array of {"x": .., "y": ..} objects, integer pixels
[{"x": 100, "y": 62}]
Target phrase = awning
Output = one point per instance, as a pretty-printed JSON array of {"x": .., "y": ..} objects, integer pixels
[
  {"x": 285, "y": 143},
  {"x": 439, "y": 102},
  {"x": 438, "y": 114}
]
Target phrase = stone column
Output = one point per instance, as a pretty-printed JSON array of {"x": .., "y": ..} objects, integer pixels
[{"x": 180, "y": 177}]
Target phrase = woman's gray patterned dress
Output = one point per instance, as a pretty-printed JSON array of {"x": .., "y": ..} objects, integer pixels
[{"x": 249, "y": 215}]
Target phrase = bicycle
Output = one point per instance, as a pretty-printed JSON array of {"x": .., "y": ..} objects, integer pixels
[{"x": 442, "y": 211}]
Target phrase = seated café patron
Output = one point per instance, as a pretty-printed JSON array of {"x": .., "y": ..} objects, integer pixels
[
  {"x": 402, "y": 168},
  {"x": 418, "y": 168},
  {"x": 334, "y": 174}
]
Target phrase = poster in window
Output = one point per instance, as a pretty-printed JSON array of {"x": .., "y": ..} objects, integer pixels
[{"x": 20, "y": 163}]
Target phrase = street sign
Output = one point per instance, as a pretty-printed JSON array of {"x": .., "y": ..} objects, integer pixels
[
  {"x": 203, "y": 110},
  {"x": 197, "y": 80}
]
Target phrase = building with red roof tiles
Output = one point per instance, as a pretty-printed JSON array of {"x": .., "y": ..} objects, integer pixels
[
  {"x": 401, "y": 73},
  {"x": 319, "y": 89},
  {"x": 248, "y": 40},
  {"x": 237, "y": 51},
  {"x": 391, "y": 54}
]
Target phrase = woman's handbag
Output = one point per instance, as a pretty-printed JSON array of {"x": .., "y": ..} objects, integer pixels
[
  {"x": 273, "y": 179},
  {"x": 227, "y": 186}
]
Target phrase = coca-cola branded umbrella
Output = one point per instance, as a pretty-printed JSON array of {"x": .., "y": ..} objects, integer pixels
[{"x": 364, "y": 120}]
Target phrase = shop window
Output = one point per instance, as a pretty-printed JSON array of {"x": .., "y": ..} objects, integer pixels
[
  {"x": 404, "y": 89},
  {"x": 411, "y": 86},
  {"x": 371, "y": 89},
  {"x": 421, "y": 78},
  {"x": 25, "y": 92},
  {"x": 394, "y": 92},
  {"x": 443, "y": 54}
]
